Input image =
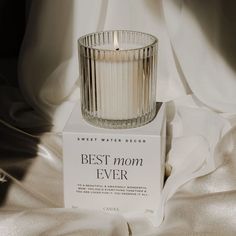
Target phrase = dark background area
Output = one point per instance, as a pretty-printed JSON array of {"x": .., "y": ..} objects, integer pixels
[{"x": 12, "y": 28}]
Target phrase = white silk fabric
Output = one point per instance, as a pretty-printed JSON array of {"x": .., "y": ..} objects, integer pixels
[{"x": 196, "y": 76}]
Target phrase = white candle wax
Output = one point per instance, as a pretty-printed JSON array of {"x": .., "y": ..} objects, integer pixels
[{"x": 117, "y": 83}]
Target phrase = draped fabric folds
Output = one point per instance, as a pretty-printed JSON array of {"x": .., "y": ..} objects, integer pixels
[{"x": 197, "y": 79}]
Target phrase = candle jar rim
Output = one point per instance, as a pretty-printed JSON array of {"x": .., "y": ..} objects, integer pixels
[{"x": 148, "y": 45}]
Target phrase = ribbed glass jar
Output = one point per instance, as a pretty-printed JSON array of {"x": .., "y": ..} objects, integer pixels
[{"x": 118, "y": 78}]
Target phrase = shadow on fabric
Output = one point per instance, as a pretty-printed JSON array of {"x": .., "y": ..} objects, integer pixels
[
  {"x": 17, "y": 149},
  {"x": 18, "y": 121}
]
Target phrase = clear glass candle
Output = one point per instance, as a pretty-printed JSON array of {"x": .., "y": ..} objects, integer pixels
[{"x": 118, "y": 78}]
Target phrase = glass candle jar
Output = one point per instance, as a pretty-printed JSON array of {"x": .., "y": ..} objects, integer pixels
[{"x": 118, "y": 78}]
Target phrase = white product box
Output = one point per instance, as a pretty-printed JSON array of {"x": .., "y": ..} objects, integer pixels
[{"x": 113, "y": 170}]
